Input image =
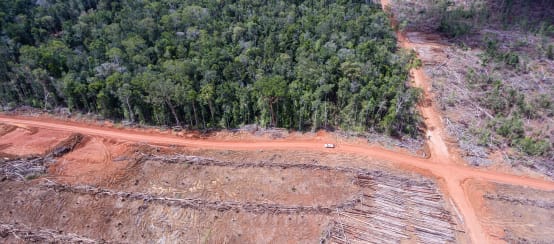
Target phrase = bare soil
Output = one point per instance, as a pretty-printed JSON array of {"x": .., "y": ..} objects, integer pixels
[
  {"x": 27, "y": 140},
  {"x": 513, "y": 214},
  {"x": 95, "y": 160},
  {"x": 267, "y": 176},
  {"x": 129, "y": 192}
]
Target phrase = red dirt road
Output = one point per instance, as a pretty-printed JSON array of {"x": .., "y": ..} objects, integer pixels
[
  {"x": 451, "y": 176},
  {"x": 444, "y": 165},
  {"x": 458, "y": 172}
]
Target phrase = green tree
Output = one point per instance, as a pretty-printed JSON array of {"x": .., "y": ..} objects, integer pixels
[{"x": 271, "y": 89}]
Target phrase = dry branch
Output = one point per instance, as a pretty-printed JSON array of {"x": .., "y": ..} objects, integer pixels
[{"x": 520, "y": 201}]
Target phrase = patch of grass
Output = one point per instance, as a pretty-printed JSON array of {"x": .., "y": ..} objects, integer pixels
[{"x": 511, "y": 58}]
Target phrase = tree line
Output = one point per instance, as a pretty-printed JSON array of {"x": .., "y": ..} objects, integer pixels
[{"x": 204, "y": 64}]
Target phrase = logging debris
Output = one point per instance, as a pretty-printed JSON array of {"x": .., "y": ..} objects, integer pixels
[
  {"x": 40, "y": 235},
  {"x": 32, "y": 166}
]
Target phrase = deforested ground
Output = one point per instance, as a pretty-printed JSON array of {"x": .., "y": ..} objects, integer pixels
[
  {"x": 172, "y": 194},
  {"x": 93, "y": 188}
]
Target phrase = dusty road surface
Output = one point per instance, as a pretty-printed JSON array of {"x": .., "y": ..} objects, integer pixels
[{"x": 451, "y": 176}]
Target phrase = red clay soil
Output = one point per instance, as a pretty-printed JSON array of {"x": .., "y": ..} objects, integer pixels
[
  {"x": 475, "y": 189},
  {"x": 452, "y": 178},
  {"x": 93, "y": 162},
  {"x": 441, "y": 155},
  {"x": 27, "y": 140},
  {"x": 293, "y": 187}
]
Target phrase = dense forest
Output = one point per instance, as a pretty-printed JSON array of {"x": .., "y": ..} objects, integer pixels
[{"x": 212, "y": 63}]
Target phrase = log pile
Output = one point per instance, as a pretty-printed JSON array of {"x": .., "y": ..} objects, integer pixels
[
  {"x": 27, "y": 234},
  {"x": 394, "y": 209},
  {"x": 201, "y": 204},
  {"x": 201, "y": 161},
  {"x": 65, "y": 146},
  {"x": 519, "y": 201},
  {"x": 391, "y": 208},
  {"x": 24, "y": 168}
]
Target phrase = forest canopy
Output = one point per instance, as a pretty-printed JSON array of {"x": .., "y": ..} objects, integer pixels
[{"x": 210, "y": 64}]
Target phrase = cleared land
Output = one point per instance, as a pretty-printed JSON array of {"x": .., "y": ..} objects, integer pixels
[
  {"x": 131, "y": 192},
  {"x": 129, "y": 185}
]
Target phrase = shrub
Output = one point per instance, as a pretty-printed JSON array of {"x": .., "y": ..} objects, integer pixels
[
  {"x": 533, "y": 147},
  {"x": 511, "y": 58},
  {"x": 484, "y": 137},
  {"x": 550, "y": 52},
  {"x": 511, "y": 128},
  {"x": 454, "y": 28},
  {"x": 496, "y": 101}
]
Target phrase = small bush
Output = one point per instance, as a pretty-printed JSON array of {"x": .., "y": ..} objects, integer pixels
[
  {"x": 511, "y": 128},
  {"x": 491, "y": 46},
  {"x": 511, "y": 58},
  {"x": 546, "y": 29},
  {"x": 544, "y": 101},
  {"x": 533, "y": 147},
  {"x": 32, "y": 176},
  {"x": 550, "y": 52},
  {"x": 484, "y": 137},
  {"x": 454, "y": 29},
  {"x": 496, "y": 101}
]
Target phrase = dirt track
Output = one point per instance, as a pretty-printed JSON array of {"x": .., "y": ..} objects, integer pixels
[
  {"x": 450, "y": 175},
  {"x": 458, "y": 172}
]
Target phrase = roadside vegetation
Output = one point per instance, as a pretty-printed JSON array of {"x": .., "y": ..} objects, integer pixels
[
  {"x": 210, "y": 64},
  {"x": 497, "y": 86}
]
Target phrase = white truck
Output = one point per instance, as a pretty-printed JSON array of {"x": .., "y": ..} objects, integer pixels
[{"x": 329, "y": 145}]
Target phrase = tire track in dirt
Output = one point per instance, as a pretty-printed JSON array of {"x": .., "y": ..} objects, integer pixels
[
  {"x": 451, "y": 184},
  {"x": 374, "y": 152},
  {"x": 452, "y": 180},
  {"x": 107, "y": 155}
]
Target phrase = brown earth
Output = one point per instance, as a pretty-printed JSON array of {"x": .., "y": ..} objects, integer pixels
[
  {"x": 513, "y": 214},
  {"x": 95, "y": 160}
]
